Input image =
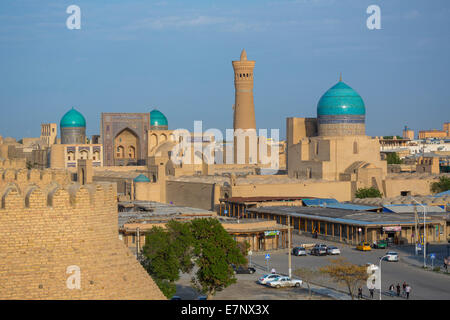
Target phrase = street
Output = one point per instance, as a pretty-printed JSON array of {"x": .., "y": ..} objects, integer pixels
[{"x": 424, "y": 284}]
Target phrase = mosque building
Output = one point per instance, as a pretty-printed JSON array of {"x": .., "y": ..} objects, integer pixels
[
  {"x": 340, "y": 149},
  {"x": 74, "y": 145},
  {"x": 73, "y": 128}
]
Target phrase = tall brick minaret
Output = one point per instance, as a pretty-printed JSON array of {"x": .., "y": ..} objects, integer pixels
[{"x": 244, "y": 108}]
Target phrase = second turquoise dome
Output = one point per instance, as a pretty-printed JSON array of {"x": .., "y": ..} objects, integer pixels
[
  {"x": 341, "y": 99},
  {"x": 73, "y": 119},
  {"x": 157, "y": 118}
]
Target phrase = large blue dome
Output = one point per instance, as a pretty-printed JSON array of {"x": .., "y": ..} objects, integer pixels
[
  {"x": 341, "y": 99},
  {"x": 73, "y": 119},
  {"x": 157, "y": 118}
]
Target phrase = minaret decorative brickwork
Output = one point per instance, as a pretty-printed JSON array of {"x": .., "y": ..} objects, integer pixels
[{"x": 244, "y": 123}]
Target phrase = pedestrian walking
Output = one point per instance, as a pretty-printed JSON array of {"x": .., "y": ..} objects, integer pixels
[
  {"x": 404, "y": 288},
  {"x": 360, "y": 295},
  {"x": 408, "y": 291},
  {"x": 398, "y": 289},
  {"x": 371, "y": 290},
  {"x": 392, "y": 290}
]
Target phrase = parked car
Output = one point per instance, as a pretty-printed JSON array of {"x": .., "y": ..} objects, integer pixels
[
  {"x": 243, "y": 270},
  {"x": 363, "y": 246},
  {"x": 391, "y": 256},
  {"x": 319, "y": 250},
  {"x": 299, "y": 251},
  {"x": 202, "y": 298},
  {"x": 285, "y": 282},
  {"x": 333, "y": 251},
  {"x": 268, "y": 278},
  {"x": 381, "y": 244},
  {"x": 176, "y": 298}
]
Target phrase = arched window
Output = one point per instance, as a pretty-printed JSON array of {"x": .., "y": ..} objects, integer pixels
[
  {"x": 120, "y": 152},
  {"x": 131, "y": 152}
]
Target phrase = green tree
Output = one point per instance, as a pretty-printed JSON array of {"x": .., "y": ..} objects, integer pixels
[
  {"x": 371, "y": 192},
  {"x": 182, "y": 242},
  {"x": 215, "y": 250},
  {"x": 161, "y": 260},
  {"x": 347, "y": 274},
  {"x": 442, "y": 185},
  {"x": 393, "y": 158}
]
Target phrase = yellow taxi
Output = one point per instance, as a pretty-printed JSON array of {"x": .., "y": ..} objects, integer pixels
[{"x": 364, "y": 246}]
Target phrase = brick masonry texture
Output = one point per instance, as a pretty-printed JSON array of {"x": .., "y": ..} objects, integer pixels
[{"x": 48, "y": 226}]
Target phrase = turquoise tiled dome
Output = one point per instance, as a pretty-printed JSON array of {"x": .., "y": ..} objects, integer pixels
[
  {"x": 341, "y": 100},
  {"x": 73, "y": 119},
  {"x": 141, "y": 178},
  {"x": 157, "y": 118}
]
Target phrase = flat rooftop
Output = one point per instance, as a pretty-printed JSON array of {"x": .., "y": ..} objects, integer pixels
[
  {"x": 359, "y": 218},
  {"x": 156, "y": 212}
]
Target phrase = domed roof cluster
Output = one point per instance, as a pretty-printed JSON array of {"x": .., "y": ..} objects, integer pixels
[
  {"x": 157, "y": 118},
  {"x": 341, "y": 99},
  {"x": 73, "y": 119}
]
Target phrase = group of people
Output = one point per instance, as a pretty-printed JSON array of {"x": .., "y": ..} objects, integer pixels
[
  {"x": 396, "y": 290},
  {"x": 393, "y": 290}
]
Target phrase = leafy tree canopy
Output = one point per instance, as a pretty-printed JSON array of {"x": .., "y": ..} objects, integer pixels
[
  {"x": 393, "y": 158},
  {"x": 205, "y": 241},
  {"x": 441, "y": 186},
  {"x": 371, "y": 192}
]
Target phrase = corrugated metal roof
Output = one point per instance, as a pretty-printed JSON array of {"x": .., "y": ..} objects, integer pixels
[
  {"x": 445, "y": 193},
  {"x": 319, "y": 202},
  {"x": 349, "y": 206},
  {"x": 361, "y": 218},
  {"x": 409, "y": 208},
  {"x": 260, "y": 199}
]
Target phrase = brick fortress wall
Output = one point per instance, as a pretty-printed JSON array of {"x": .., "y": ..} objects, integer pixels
[{"x": 47, "y": 226}]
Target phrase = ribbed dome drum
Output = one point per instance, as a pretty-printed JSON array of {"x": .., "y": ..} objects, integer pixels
[{"x": 341, "y": 111}]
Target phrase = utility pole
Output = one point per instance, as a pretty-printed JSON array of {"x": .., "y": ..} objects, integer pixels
[
  {"x": 415, "y": 232},
  {"x": 289, "y": 246},
  {"x": 138, "y": 238}
]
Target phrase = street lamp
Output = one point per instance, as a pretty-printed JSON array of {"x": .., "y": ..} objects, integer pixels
[
  {"x": 379, "y": 267},
  {"x": 424, "y": 233}
]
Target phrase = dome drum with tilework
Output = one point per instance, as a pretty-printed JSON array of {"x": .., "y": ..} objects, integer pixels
[
  {"x": 341, "y": 111},
  {"x": 158, "y": 120},
  {"x": 73, "y": 128}
]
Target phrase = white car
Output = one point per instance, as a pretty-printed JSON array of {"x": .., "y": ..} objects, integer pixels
[
  {"x": 268, "y": 278},
  {"x": 391, "y": 256},
  {"x": 285, "y": 282},
  {"x": 333, "y": 251}
]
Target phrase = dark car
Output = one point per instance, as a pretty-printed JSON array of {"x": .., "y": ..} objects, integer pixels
[
  {"x": 319, "y": 250},
  {"x": 299, "y": 251},
  {"x": 243, "y": 270}
]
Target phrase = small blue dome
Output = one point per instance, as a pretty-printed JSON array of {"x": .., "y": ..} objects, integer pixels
[
  {"x": 341, "y": 100},
  {"x": 141, "y": 178},
  {"x": 157, "y": 118},
  {"x": 73, "y": 119}
]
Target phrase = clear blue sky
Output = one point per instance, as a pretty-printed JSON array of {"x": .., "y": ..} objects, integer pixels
[{"x": 133, "y": 56}]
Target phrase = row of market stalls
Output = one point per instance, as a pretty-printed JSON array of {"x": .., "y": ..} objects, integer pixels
[{"x": 346, "y": 222}]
